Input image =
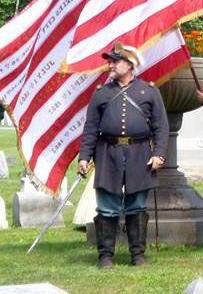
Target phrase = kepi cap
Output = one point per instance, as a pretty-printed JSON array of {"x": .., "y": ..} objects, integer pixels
[{"x": 128, "y": 53}]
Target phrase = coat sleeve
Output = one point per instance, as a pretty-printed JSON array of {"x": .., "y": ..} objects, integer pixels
[
  {"x": 159, "y": 125},
  {"x": 91, "y": 131}
]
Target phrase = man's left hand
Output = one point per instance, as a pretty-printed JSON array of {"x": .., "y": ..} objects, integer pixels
[{"x": 156, "y": 162}]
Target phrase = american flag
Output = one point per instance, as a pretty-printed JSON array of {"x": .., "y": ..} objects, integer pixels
[
  {"x": 137, "y": 23},
  {"x": 48, "y": 109}
]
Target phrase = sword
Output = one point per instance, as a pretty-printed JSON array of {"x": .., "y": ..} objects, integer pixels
[{"x": 57, "y": 212}]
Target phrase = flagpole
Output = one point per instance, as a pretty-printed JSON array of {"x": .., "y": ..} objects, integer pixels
[
  {"x": 195, "y": 77},
  {"x": 17, "y": 6}
]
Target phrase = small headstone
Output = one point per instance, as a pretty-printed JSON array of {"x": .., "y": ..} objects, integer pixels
[
  {"x": 3, "y": 221},
  {"x": 4, "y": 173},
  {"x": 196, "y": 287},
  {"x": 32, "y": 208},
  {"x": 11, "y": 160},
  {"x": 46, "y": 288}
]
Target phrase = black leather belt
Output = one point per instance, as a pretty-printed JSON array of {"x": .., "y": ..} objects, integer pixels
[{"x": 122, "y": 140}]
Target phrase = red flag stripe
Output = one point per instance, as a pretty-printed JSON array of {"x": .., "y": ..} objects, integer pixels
[{"x": 59, "y": 169}]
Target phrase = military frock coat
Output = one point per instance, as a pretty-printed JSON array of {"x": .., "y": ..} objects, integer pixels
[{"x": 109, "y": 116}]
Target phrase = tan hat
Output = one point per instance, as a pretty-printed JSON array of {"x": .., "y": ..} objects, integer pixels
[{"x": 128, "y": 53}]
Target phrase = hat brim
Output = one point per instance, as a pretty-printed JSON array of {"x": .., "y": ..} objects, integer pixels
[{"x": 111, "y": 55}]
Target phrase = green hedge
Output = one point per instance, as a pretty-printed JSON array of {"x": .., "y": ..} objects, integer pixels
[{"x": 7, "y": 9}]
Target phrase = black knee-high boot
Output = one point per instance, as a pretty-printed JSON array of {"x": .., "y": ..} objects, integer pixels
[
  {"x": 136, "y": 228},
  {"x": 106, "y": 228}
]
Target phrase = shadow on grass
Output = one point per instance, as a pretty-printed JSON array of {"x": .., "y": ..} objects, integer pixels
[{"x": 72, "y": 252}]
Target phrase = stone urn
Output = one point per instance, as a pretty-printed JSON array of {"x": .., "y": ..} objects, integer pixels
[{"x": 180, "y": 208}]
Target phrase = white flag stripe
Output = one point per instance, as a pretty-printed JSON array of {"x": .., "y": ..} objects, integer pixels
[
  {"x": 9, "y": 64},
  {"x": 45, "y": 117},
  {"x": 19, "y": 25},
  {"x": 167, "y": 45},
  {"x": 125, "y": 22},
  {"x": 51, "y": 154},
  {"x": 8, "y": 93},
  {"x": 93, "y": 8},
  {"x": 41, "y": 75}
]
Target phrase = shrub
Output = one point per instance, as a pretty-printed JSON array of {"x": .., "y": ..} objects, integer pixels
[{"x": 193, "y": 35}]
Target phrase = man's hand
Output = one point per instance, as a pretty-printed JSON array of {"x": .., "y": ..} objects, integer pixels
[
  {"x": 156, "y": 162},
  {"x": 83, "y": 167}
]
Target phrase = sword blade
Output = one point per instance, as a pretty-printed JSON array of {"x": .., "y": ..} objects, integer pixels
[{"x": 57, "y": 212}]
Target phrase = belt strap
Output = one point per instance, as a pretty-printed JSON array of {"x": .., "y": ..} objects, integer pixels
[{"x": 121, "y": 140}]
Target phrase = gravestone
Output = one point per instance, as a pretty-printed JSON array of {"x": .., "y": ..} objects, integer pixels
[
  {"x": 45, "y": 288},
  {"x": 196, "y": 287},
  {"x": 4, "y": 173},
  {"x": 3, "y": 221},
  {"x": 11, "y": 160},
  {"x": 190, "y": 144},
  {"x": 32, "y": 208}
]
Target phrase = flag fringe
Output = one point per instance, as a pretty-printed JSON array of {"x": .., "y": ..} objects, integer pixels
[{"x": 158, "y": 36}]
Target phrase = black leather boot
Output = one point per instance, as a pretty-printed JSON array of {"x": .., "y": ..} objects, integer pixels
[
  {"x": 136, "y": 228},
  {"x": 105, "y": 228}
]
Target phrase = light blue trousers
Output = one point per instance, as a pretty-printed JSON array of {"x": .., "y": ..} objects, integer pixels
[{"x": 111, "y": 205}]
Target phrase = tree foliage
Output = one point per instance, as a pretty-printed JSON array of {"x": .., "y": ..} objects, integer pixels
[{"x": 7, "y": 9}]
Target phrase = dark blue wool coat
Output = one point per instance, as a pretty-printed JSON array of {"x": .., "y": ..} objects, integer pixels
[{"x": 118, "y": 164}]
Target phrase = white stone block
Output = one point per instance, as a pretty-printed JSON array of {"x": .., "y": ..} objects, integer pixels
[
  {"x": 3, "y": 221},
  {"x": 4, "y": 172},
  {"x": 196, "y": 287},
  {"x": 45, "y": 288}
]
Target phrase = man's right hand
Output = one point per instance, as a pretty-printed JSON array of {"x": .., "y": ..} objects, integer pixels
[{"x": 83, "y": 167}]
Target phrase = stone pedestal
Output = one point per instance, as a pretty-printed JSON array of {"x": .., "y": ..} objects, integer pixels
[
  {"x": 3, "y": 221},
  {"x": 32, "y": 208},
  {"x": 180, "y": 208},
  {"x": 4, "y": 173}
]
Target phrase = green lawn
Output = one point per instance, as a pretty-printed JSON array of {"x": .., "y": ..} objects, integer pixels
[{"x": 64, "y": 258}]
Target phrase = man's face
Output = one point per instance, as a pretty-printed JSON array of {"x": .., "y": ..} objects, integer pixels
[{"x": 119, "y": 68}]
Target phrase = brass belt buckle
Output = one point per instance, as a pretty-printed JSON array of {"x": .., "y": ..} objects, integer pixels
[{"x": 123, "y": 140}]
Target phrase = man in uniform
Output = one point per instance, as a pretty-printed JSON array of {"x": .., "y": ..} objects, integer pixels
[{"x": 126, "y": 134}]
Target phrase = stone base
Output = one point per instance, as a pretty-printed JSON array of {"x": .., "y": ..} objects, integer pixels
[
  {"x": 35, "y": 209},
  {"x": 32, "y": 289},
  {"x": 3, "y": 221},
  {"x": 180, "y": 214},
  {"x": 177, "y": 231}
]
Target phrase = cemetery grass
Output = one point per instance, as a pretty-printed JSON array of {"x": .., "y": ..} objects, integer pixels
[{"x": 64, "y": 258}]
